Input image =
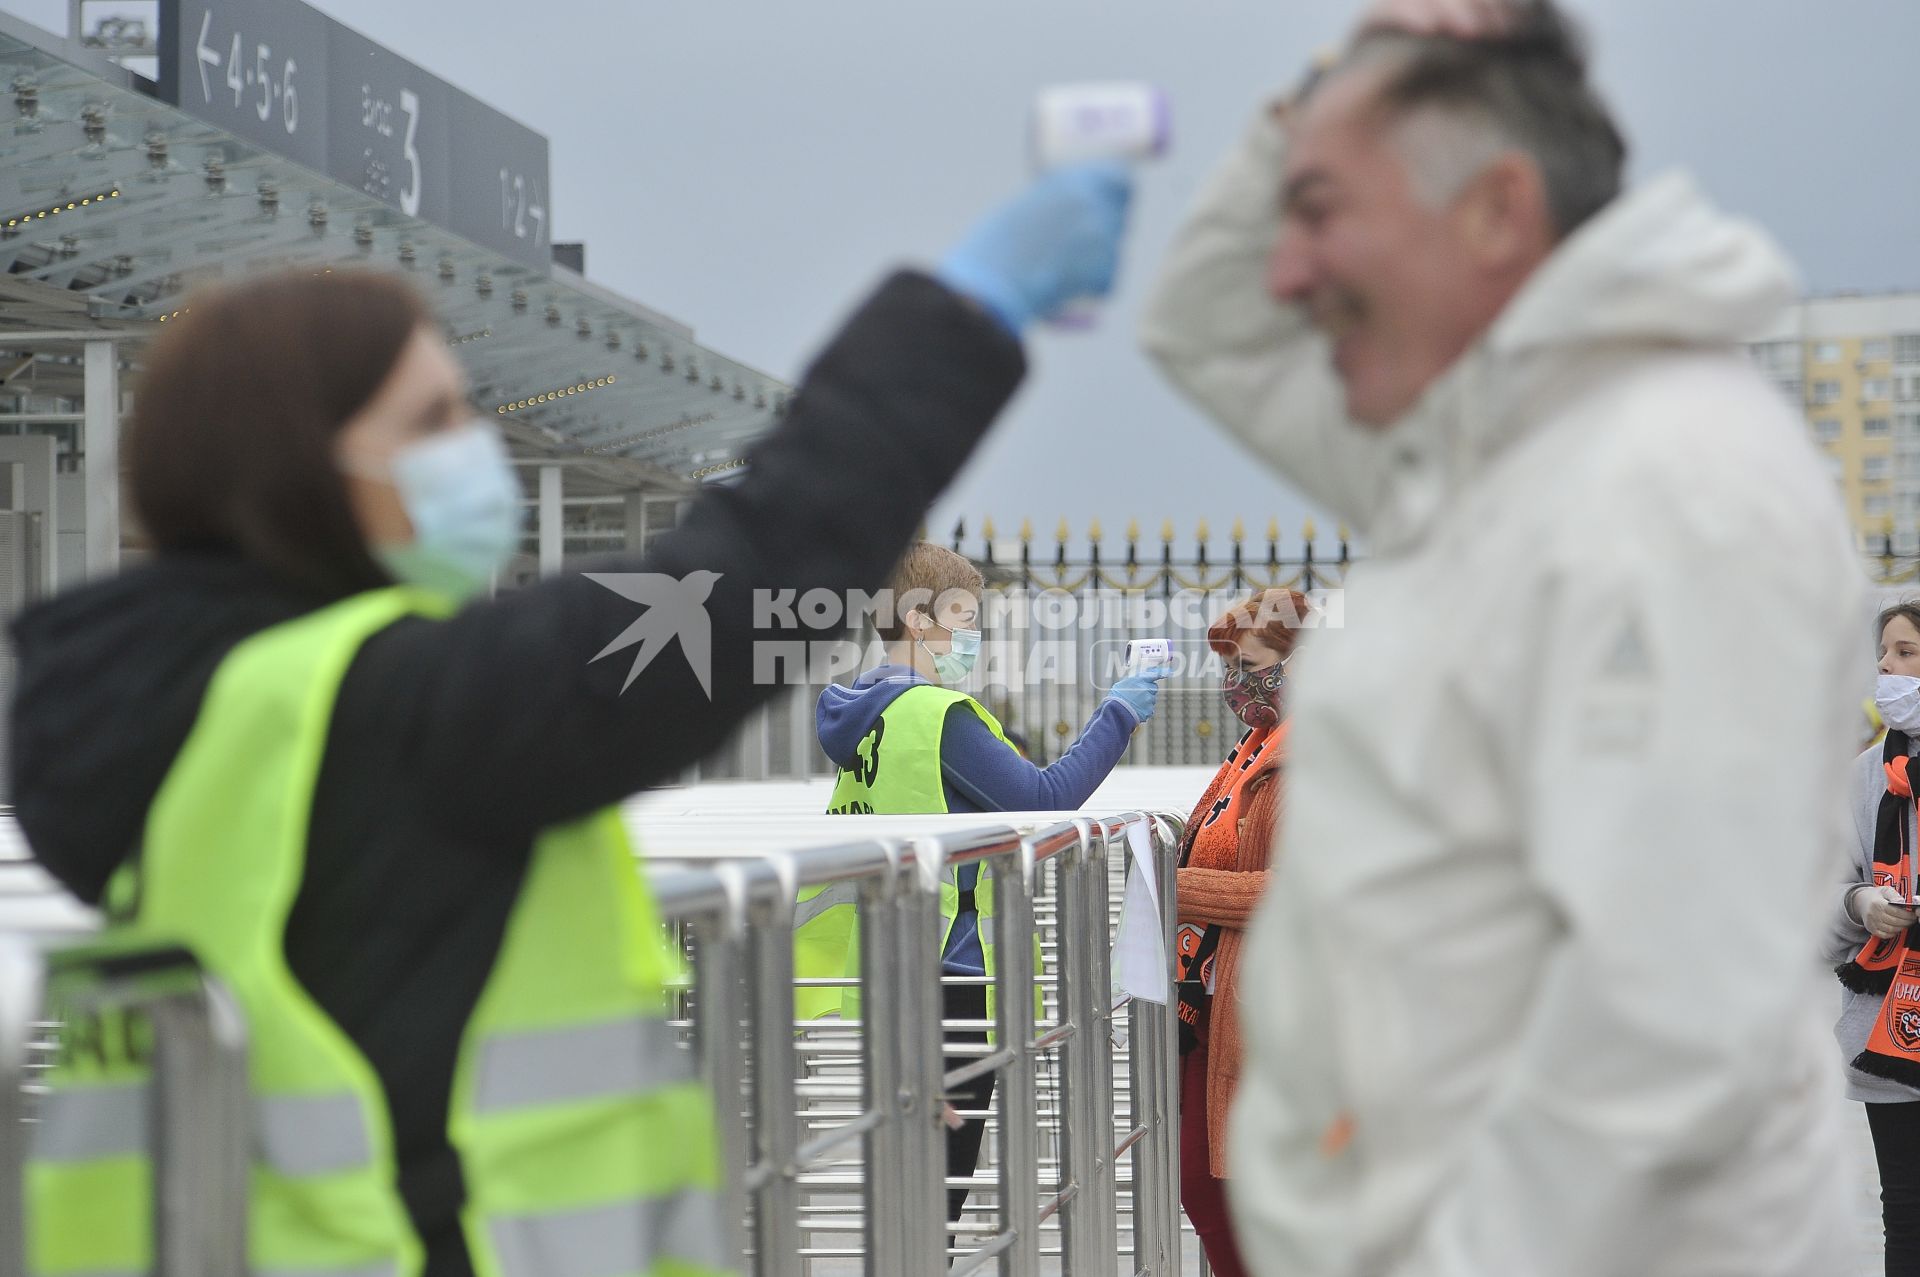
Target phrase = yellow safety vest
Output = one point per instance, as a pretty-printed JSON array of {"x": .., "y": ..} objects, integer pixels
[
  {"x": 585, "y": 1142},
  {"x": 895, "y": 771}
]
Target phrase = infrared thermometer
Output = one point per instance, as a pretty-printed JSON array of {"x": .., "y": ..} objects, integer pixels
[
  {"x": 1128, "y": 121},
  {"x": 1148, "y": 654}
]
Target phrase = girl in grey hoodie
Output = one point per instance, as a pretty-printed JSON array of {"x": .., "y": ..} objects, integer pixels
[{"x": 1867, "y": 909}]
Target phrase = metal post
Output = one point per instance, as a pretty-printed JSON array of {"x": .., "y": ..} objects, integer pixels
[
  {"x": 21, "y": 980},
  {"x": 806, "y": 743},
  {"x": 635, "y": 511},
  {"x": 1162, "y": 1045},
  {"x": 202, "y": 1159},
  {"x": 718, "y": 967},
  {"x": 552, "y": 544},
  {"x": 882, "y": 1009},
  {"x": 1168, "y": 833},
  {"x": 776, "y": 1134},
  {"x": 922, "y": 1065},
  {"x": 101, "y": 436},
  {"x": 1151, "y": 1049},
  {"x": 1019, "y": 1136},
  {"x": 1089, "y": 1232}
]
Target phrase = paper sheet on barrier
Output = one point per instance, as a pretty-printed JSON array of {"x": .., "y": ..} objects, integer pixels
[{"x": 1139, "y": 949}]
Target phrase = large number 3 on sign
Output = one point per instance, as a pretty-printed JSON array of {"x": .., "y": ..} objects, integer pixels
[{"x": 410, "y": 197}]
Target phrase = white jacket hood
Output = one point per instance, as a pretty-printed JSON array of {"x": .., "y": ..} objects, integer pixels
[
  {"x": 1659, "y": 264},
  {"x": 1658, "y": 268}
]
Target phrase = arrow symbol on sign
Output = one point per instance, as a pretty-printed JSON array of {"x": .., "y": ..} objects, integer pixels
[{"x": 208, "y": 57}]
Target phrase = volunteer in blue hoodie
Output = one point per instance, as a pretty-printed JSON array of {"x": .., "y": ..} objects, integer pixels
[{"x": 906, "y": 740}]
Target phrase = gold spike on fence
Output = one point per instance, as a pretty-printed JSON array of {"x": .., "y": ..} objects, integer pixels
[{"x": 1305, "y": 566}]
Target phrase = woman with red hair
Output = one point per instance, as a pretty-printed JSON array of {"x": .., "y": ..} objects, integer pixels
[{"x": 1223, "y": 871}]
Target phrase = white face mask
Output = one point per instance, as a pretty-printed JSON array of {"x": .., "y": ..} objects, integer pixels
[
  {"x": 458, "y": 489},
  {"x": 954, "y": 664},
  {"x": 1898, "y": 699}
]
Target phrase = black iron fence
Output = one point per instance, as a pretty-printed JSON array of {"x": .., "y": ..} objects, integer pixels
[
  {"x": 1057, "y": 619},
  {"x": 1059, "y": 611}
]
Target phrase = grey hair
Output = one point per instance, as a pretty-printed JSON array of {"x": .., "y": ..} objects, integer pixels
[{"x": 1458, "y": 104}]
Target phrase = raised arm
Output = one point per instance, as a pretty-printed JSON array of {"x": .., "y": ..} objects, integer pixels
[
  {"x": 505, "y": 711},
  {"x": 993, "y": 777},
  {"x": 1251, "y": 363}
]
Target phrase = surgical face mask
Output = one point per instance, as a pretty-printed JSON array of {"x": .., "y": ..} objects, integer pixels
[
  {"x": 1254, "y": 698},
  {"x": 1898, "y": 699},
  {"x": 458, "y": 490},
  {"x": 954, "y": 664}
]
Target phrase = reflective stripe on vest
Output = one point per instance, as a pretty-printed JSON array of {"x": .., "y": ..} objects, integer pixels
[
  {"x": 604, "y": 1240},
  {"x": 80, "y": 1124},
  {"x": 578, "y": 1062},
  {"x": 295, "y": 1135},
  {"x": 312, "y": 1134},
  {"x": 840, "y": 893}
]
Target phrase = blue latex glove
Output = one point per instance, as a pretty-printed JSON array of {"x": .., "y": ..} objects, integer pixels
[
  {"x": 1057, "y": 240},
  {"x": 1139, "y": 692}
]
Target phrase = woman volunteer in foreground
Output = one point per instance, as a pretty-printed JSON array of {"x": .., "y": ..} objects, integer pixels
[{"x": 380, "y": 809}]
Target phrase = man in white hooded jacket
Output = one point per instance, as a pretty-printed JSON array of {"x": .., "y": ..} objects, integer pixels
[{"x": 1536, "y": 990}]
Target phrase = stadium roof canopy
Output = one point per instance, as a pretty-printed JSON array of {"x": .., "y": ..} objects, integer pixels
[{"x": 299, "y": 144}]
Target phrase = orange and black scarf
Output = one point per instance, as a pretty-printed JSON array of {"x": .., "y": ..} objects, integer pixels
[
  {"x": 1891, "y": 968},
  {"x": 1215, "y": 817}
]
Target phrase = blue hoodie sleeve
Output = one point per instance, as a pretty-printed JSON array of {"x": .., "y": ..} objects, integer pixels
[{"x": 990, "y": 774}]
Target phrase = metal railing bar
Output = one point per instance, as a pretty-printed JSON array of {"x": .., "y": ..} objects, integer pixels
[
  {"x": 812, "y": 1151},
  {"x": 1048, "y": 1040},
  {"x": 980, "y": 1068},
  {"x": 979, "y": 1258},
  {"x": 1060, "y": 1199},
  {"x": 1138, "y": 1133}
]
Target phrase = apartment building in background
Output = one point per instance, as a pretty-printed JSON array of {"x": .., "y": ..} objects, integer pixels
[{"x": 1852, "y": 364}]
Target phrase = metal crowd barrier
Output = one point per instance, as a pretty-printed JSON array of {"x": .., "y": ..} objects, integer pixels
[
  {"x": 195, "y": 1107},
  {"x": 807, "y": 1129},
  {"x": 814, "y": 1117}
]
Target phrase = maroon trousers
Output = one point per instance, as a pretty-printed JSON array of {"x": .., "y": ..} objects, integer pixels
[{"x": 1203, "y": 1196}]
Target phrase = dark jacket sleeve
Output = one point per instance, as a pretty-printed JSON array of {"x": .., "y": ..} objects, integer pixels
[
  {"x": 991, "y": 775},
  {"x": 503, "y": 711}
]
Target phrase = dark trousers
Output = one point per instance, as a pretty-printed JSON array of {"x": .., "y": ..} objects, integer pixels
[
  {"x": 1896, "y": 1146},
  {"x": 1203, "y": 1197},
  {"x": 965, "y": 1002}
]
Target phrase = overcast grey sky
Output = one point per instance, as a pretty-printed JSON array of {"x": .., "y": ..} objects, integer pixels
[{"x": 750, "y": 166}]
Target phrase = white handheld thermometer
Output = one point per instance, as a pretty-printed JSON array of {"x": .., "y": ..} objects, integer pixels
[
  {"x": 1148, "y": 654},
  {"x": 1129, "y": 121},
  {"x": 1074, "y": 123}
]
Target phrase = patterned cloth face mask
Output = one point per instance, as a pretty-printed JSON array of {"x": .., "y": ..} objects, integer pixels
[{"x": 1253, "y": 696}]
